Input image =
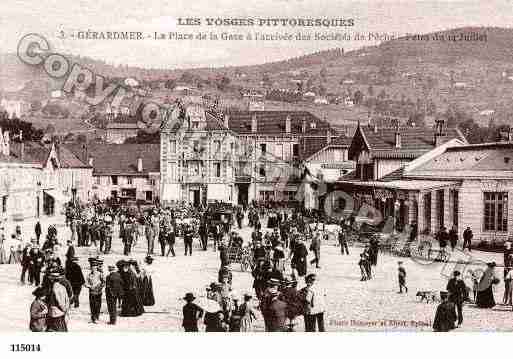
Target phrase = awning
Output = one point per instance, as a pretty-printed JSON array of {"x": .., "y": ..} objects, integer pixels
[
  {"x": 57, "y": 195},
  {"x": 413, "y": 185}
]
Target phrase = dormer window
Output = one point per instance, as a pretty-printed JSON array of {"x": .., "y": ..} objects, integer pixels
[{"x": 313, "y": 125}]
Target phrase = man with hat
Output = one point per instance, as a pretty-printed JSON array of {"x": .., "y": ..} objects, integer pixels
[
  {"x": 314, "y": 305},
  {"x": 58, "y": 303},
  {"x": 274, "y": 309},
  {"x": 37, "y": 260},
  {"x": 445, "y": 315},
  {"x": 187, "y": 238},
  {"x": 457, "y": 293},
  {"x": 75, "y": 276},
  {"x": 191, "y": 313},
  {"x": 113, "y": 292},
  {"x": 25, "y": 264},
  {"x": 95, "y": 282}
]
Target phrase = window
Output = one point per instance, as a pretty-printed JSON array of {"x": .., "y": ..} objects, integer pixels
[
  {"x": 114, "y": 180},
  {"x": 196, "y": 145},
  {"x": 455, "y": 207},
  {"x": 4, "y": 204},
  {"x": 263, "y": 148},
  {"x": 152, "y": 182},
  {"x": 496, "y": 211},
  {"x": 130, "y": 181},
  {"x": 427, "y": 211},
  {"x": 261, "y": 171},
  {"x": 217, "y": 169},
  {"x": 172, "y": 146},
  {"x": 149, "y": 196},
  {"x": 217, "y": 146},
  {"x": 279, "y": 150},
  {"x": 295, "y": 150},
  {"x": 98, "y": 180}
]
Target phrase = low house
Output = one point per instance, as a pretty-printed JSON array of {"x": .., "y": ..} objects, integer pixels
[
  {"x": 118, "y": 132},
  {"x": 128, "y": 172}
]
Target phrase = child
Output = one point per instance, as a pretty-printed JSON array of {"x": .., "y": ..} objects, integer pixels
[
  {"x": 191, "y": 314},
  {"x": 363, "y": 267},
  {"x": 474, "y": 275},
  {"x": 38, "y": 311},
  {"x": 402, "y": 277}
]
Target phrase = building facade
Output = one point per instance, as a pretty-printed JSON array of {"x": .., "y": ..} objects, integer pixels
[
  {"x": 128, "y": 172},
  {"x": 237, "y": 158}
]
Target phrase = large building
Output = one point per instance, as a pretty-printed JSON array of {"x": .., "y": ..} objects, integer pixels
[
  {"x": 254, "y": 155},
  {"x": 38, "y": 180},
  {"x": 380, "y": 157}
]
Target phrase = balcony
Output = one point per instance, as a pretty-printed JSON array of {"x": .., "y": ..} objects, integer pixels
[{"x": 242, "y": 178}]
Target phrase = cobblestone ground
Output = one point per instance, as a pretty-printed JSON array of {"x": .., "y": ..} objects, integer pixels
[{"x": 351, "y": 305}]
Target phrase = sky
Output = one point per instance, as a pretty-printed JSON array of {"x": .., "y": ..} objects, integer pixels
[{"x": 50, "y": 17}]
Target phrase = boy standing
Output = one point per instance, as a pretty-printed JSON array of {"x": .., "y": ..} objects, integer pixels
[
  {"x": 402, "y": 277},
  {"x": 191, "y": 314}
]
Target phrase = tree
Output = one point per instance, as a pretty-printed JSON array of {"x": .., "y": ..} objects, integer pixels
[
  {"x": 358, "y": 97},
  {"x": 170, "y": 84},
  {"x": 323, "y": 73},
  {"x": 81, "y": 138},
  {"x": 50, "y": 129},
  {"x": 187, "y": 77},
  {"x": 222, "y": 82}
]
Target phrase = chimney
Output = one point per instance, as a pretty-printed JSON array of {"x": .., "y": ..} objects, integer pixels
[
  {"x": 303, "y": 125},
  {"x": 226, "y": 121},
  {"x": 91, "y": 161},
  {"x": 397, "y": 141},
  {"x": 288, "y": 125},
  {"x": 328, "y": 137},
  {"x": 139, "y": 165},
  {"x": 254, "y": 123}
]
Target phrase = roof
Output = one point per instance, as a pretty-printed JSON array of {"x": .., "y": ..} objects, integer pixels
[
  {"x": 480, "y": 160},
  {"x": 273, "y": 122},
  {"x": 313, "y": 145},
  {"x": 68, "y": 159},
  {"x": 119, "y": 159},
  {"x": 33, "y": 152},
  {"x": 415, "y": 141}
]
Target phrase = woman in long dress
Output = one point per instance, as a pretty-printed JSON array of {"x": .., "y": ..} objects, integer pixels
[
  {"x": 247, "y": 314},
  {"x": 148, "y": 298},
  {"x": 3, "y": 256},
  {"x": 485, "y": 297},
  {"x": 131, "y": 305}
]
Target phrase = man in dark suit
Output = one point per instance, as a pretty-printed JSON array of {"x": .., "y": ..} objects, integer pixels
[
  {"x": 113, "y": 293},
  {"x": 457, "y": 294},
  {"x": 76, "y": 278},
  {"x": 37, "y": 230},
  {"x": 467, "y": 239}
]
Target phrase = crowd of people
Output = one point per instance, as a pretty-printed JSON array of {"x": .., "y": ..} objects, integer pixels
[{"x": 280, "y": 243}]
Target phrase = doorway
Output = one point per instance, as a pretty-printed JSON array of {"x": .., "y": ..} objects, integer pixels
[
  {"x": 194, "y": 196},
  {"x": 243, "y": 193}
]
